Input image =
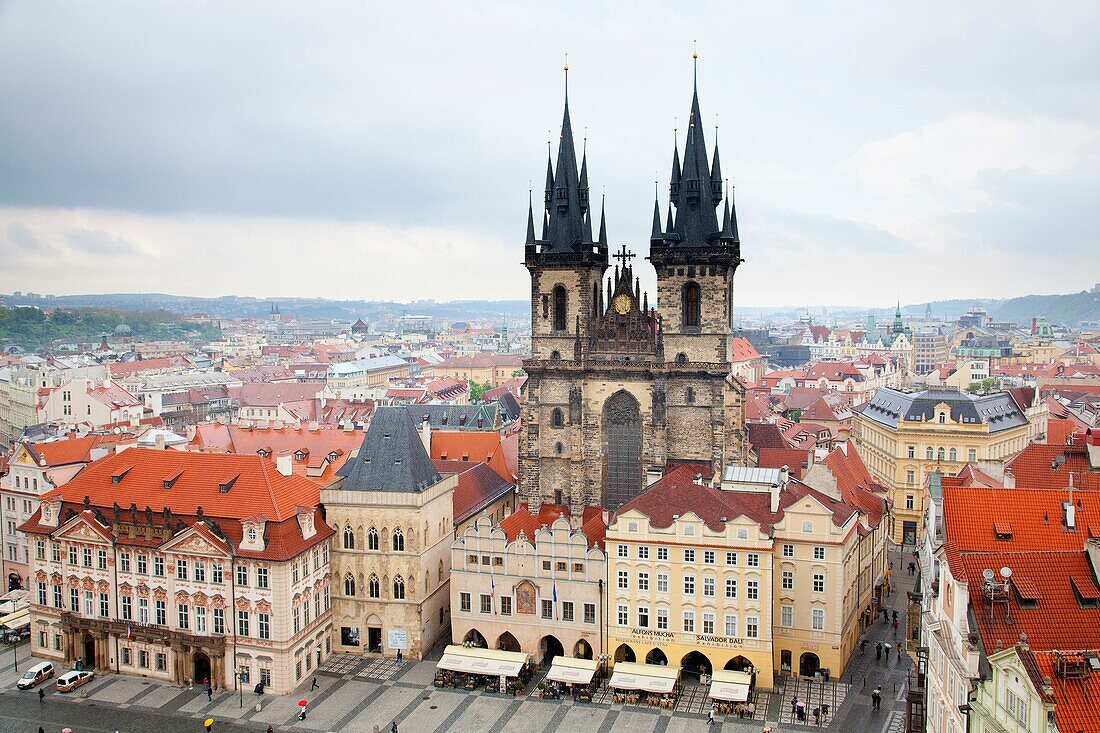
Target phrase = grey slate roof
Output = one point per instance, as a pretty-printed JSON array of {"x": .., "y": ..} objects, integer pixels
[
  {"x": 999, "y": 411},
  {"x": 466, "y": 417},
  {"x": 391, "y": 458}
]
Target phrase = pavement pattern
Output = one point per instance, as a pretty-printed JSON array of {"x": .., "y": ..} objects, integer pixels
[{"x": 357, "y": 695}]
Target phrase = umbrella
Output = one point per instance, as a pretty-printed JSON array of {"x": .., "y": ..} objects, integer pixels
[
  {"x": 208, "y": 722},
  {"x": 301, "y": 703},
  {"x": 887, "y": 647},
  {"x": 66, "y": 730}
]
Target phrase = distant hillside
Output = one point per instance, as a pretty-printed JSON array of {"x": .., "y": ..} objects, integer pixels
[
  {"x": 33, "y": 328},
  {"x": 1067, "y": 310}
]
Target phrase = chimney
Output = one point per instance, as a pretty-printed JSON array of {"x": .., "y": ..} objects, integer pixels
[
  {"x": 784, "y": 476},
  {"x": 1009, "y": 479},
  {"x": 277, "y": 424},
  {"x": 426, "y": 435},
  {"x": 313, "y": 428},
  {"x": 698, "y": 479},
  {"x": 284, "y": 463},
  {"x": 160, "y": 441},
  {"x": 1071, "y": 511}
]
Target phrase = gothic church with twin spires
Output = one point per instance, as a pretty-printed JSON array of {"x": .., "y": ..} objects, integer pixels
[{"x": 619, "y": 391}]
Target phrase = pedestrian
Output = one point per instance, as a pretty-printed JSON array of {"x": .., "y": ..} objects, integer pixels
[
  {"x": 817, "y": 716},
  {"x": 794, "y": 704},
  {"x": 393, "y": 727},
  {"x": 270, "y": 729},
  {"x": 895, "y": 625},
  {"x": 899, "y": 652},
  {"x": 302, "y": 713},
  {"x": 876, "y": 698},
  {"x": 209, "y": 692},
  {"x": 41, "y": 696},
  {"x": 400, "y": 657},
  {"x": 862, "y": 646},
  {"x": 895, "y": 615},
  {"x": 209, "y": 727},
  {"x": 313, "y": 686},
  {"x": 41, "y": 729},
  {"x": 710, "y": 716},
  {"x": 878, "y": 651},
  {"x": 824, "y": 710}
]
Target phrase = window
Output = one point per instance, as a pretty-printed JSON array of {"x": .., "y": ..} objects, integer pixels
[
  {"x": 689, "y": 304},
  {"x": 708, "y": 587},
  {"x": 242, "y": 623},
  {"x": 731, "y": 625},
  {"x": 752, "y": 590},
  {"x": 623, "y": 579},
  {"x": 929, "y": 453},
  {"x": 486, "y": 603},
  {"x": 942, "y": 418},
  {"x": 643, "y": 581},
  {"x": 971, "y": 454},
  {"x": 40, "y": 549},
  {"x": 662, "y": 619},
  {"x": 101, "y": 559},
  {"x": 200, "y": 620},
  {"x": 158, "y": 566},
  {"x": 349, "y": 538},
  {"x": 545, "y": 563},
  {"x": 349, "y": 585},
  {"x": 161, "y": 610},
  {"x": 731, "y": 558},
  {"x": 708, "y": 623},
  {"x": 57, "y": 596},
  {"x": 216, "y": 573},
  {"x": 808, "y": 526},
  {"x": 708, "y": 557},
  {"x": 819, "y": 553},
  {"x": 952, "y": 455},
  {"x": 786, "y": 615},
  {"x": 621, "y": 551},
  {"x": 398, "y": 541},
  {"x": 689, "y": 622},
  {"x": 559, "y": 308},
  {"x": 41, "y": 594},
  {"x": 72, "y": 555},
  {"x": 818, "y": 616},
  {"x": 104, "y": 605},
  {"x": 242, "y": 575},
  {"x": 788, "y": 580},
  {"x": 689, "y": 395},
  {"x": 218, "y": 615},
  {"x": 911, "y": 451},
  {"x": 910, "y": 476},
  {"x": 143, "y": 659},
  {"x": 143, "y": 564},
  {"x": 182, "y": 612},
  {"x": 506, "y": 605},
  {"x": 662, "y": 553},
  {"x": 623, "y": 615},
  {"x": 127, "y": 656},
  {"x": 261, "y": 578},
  {"x": 74, "y": 600},
  {"x": 374, "y": 589},
  {"x": 143, "y": 611},
  {"x": 589, "y": 612},
  {"x": 464, "y": 602},
  {"x": 263, "y": 621},
  {"x": 689, "y": 555},
  {"x": 1017, "y": 706},
  {"x": 643, "y": 552},
  {"x": 819, "y": 583},
  {"x": 788, "y": 550},
  {"x": 662, "y": 583},
  {"x": 181, "y": 570},
  {"x": 86, "y": 556},
  {"x": 689, "y": 585},
  {"x": 55, "y": 552},
  {"x": 752, "y": 627},
  {"x": 548, "y": 609},
  {"x": 643, "y": 617},
  {"x": 939, "y": 454},
  {"x": 399, "y": 588},
  {"x": 265, "y": 676},
  {"x": 910, "y": 501},
  {"x": 556, "y": 418},
  {"x": 200, "y": 572},
  {"x": 731, "y": 587}
]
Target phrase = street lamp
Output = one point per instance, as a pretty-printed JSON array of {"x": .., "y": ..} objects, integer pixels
[{"x": 240, "y": 684}]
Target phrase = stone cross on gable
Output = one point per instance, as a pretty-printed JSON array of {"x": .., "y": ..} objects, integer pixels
[{"x": 624, "y": 256}]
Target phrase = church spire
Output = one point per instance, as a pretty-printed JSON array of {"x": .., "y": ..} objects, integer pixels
[
  {"x": 603, "y": 223},
  {"x": 656, "y": 234},
  {"x": 530, "y": 218}
]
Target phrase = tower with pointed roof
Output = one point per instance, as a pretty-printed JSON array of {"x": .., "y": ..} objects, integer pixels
[{"x": 617, "y": 390}]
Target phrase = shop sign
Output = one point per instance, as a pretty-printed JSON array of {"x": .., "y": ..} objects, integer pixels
[
  {"x": 652, "y": 635},
  {"x": 709, "y": 640},
  {"x": 398, "y": 639},
  {"x": 809, "y": 647}
]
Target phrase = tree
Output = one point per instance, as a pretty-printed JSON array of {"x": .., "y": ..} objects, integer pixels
[{"x": 477, "y": 391}]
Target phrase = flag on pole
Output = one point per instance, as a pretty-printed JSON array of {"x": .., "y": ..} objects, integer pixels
[
  {"x": 129, "y": 630},
  {"x": 555, "y": 597}
]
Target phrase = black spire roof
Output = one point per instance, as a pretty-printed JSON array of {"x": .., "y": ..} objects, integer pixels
[
  {"x": 695, "y": 190},
  {"x": 567, "y": 231}
]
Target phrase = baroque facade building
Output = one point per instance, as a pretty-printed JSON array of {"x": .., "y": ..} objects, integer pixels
[{"x": 616, "y": 389}]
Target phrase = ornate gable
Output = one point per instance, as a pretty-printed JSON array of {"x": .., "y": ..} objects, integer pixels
[{"x": 81, "y": 529}]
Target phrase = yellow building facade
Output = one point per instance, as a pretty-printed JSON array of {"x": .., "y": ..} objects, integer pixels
[{"x": 903, "y": 436}]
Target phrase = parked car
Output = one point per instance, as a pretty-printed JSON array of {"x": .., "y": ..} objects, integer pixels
[
  {"x": 34, "y": 675},
  {"x": 74, "y": 679}
]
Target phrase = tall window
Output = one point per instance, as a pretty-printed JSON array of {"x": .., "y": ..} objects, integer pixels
[
  {"x": 398, "y": 541},
  {"x": 398, "y": 588},
  {"x": 372, "y": 586},
  {"x": 690, "y": 304},
  {"x": 372, "y": 539},
  {"x": 349, "y": 539},
  {"x": 556, "y": 418},
  {"x": 349, "y": 585},
  {"x": 559, "y": 308}
]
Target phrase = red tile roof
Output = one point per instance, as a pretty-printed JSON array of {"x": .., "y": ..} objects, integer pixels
[
  {"x": 272, "y": 394},
  {"x": 67, "y": 451},
  {"x": 325, "y": 449},
  {"x": 854, "y": 481},
  {"x": 482, "y": 361},
  {"x": 521, "y": 520},
  {"x": 478, "y": 487},
  {"x": 1036, "y": 517},
  {"x": 742, "y": 350},
  {"x": 1032, "y": 467},
  {"x": 1074, "y": 700},
  {"x": 129, "y": 368},
  {"x": 474, "y": 445}
]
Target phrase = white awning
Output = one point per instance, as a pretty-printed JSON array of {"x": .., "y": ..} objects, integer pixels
[
  {"x": 474, "y": 660},
  {"x": 18, "y": 620},
  {"x": 730, "y": 685},
  {"x": 646, "y": 677},
  {"x": 571, "y": 670}
]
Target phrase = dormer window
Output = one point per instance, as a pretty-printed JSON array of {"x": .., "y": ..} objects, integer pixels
[
  {"x": 263, "y": 454},
  {"x": 942, "y": 418},
  {"x": 252, "y": 534},
  {"x": 299, "y": 456}
]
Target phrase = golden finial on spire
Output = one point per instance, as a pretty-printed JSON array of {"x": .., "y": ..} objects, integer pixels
[
  {"x": 695, "y": 49},
  {"x": 566, "y": 77}
]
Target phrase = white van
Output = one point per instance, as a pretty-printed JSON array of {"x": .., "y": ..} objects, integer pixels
[{"x": 34, "y": 675}]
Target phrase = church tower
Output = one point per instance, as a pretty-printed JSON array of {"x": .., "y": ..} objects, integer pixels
[{"x": 618, "y": 391}]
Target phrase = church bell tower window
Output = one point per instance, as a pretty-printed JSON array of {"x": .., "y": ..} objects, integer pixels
[
  {"x": 690, "y": 305},
  {"x": 559, "y": 308}
]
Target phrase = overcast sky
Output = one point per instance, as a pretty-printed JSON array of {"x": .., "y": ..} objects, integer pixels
[{"x": 385, "y": 150}]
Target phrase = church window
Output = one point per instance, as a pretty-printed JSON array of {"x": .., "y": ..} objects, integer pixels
[
  {"x": 349, "y": 585},
  {"x": 558, "y": 448},
  {"x": 398, "y": 541},
  {"x": 559, "y": 308},
  {"x": 681, "y": 358},
  {"x": 690, "y": 304},
  {"x": 372, "y": 586},
  {"x": 398, "y": 589},
  {"x": 691, "y": 271},
  {"x": 623, "y": 441},
  {"x": 372, "y": 539},
  {"x": 689, "y": 396},
  {"x": 555, "y": 356},
  {"x": 556, "y": 418},
  {"x": 349, "y": 539}
]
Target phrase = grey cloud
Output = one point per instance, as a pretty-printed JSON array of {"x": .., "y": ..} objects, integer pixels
[
  {"x": 21, "y": 239},
  {"x": 96, "y": 242}
]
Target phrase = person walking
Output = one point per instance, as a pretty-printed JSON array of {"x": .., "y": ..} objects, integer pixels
[
  {"x": 41, "y": 696},
  {"x": 270, "y": 729},
  {"x": 393, "y": 727},
  {"x": 876, "y": 698},
  {"x": 209, "y": 692},
  {"x": 878, "y": 651},
  {"x": 400, "y": 657},
  {"x": 710, "y": 716},
  {"x": 899, "y": 652},
  {"x": 895, "y": 625},
  {"x": 314, "y": 685},
  {"x": 794, "y": 705}
]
